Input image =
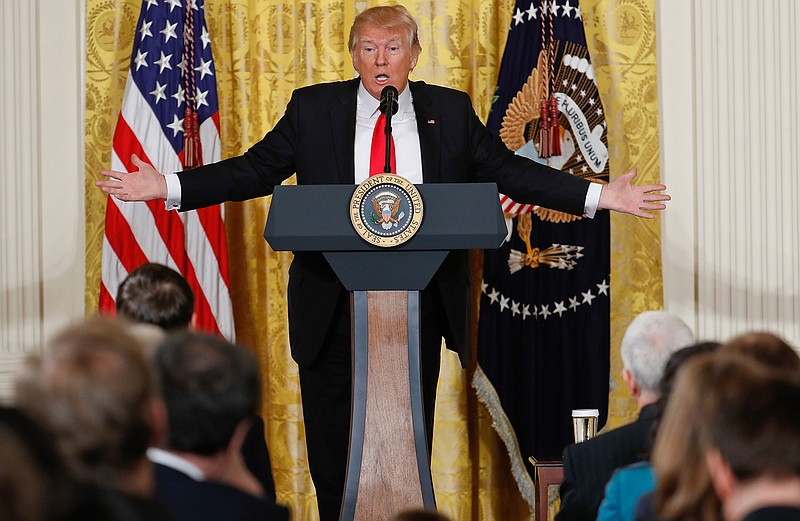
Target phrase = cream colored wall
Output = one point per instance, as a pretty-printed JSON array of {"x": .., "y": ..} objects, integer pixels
[
  {"x": 41, "y": 174},
  {"x": 728, "y": 75},
  {"x": 675, "y": 47}
]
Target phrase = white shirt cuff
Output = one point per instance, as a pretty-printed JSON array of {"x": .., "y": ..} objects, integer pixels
[
  {"x": 589, "y": 206},
  {"x": 173, "y": 200}
]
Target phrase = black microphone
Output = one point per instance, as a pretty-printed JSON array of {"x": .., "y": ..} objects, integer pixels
[
  {"x": 389, "y": 101},
  {"x": 388, "y": 108}
]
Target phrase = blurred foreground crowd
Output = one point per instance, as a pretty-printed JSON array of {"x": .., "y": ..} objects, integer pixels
[
  {"x": 717, "y": 437},
  {"x": 139, "y": 418}
]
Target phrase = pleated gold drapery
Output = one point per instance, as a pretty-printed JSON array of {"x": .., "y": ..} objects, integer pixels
[
  {"x": 264, "y": 49},
  {"x": 621, "y": 38}
]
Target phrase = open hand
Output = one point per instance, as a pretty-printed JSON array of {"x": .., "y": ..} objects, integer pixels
[
  {"x": 622, "y": 196},
  {"x": 143, "y": 185}
]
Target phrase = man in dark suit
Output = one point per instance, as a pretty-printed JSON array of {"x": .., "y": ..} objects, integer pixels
[
  {"x": 211, "y": 390},
  {"x": 647, "y": 345},
  {"x": 324, "y": 137},
  {"x": 158, "y": 295}
]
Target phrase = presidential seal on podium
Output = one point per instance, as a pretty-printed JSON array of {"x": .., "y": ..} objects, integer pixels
[{"x": 386, "y": 210}]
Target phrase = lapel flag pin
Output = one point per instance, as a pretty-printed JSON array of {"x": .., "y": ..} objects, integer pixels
[{"x": 431, "y": 122}]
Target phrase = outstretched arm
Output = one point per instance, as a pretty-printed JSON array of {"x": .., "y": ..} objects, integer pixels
[
  {"x": 623, "y": 196},
  {"x": 143, "y": 185}
]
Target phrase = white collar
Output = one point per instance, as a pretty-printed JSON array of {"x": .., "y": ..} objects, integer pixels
[
  {"x": 173, "y": 461},
  {"x": 368, "y": 106}
]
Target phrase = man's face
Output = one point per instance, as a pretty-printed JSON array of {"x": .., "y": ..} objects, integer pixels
[{"x": 383, "y": 57}]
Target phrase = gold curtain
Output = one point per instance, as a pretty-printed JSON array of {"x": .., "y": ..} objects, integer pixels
[
  {"x": 621, "y": 37},
  {"x": 263, "y": 50}
]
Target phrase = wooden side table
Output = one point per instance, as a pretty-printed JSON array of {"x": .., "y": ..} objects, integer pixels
[{"x": 547, "y": 478}]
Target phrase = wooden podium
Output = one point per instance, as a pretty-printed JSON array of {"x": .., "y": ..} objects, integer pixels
[{"x": 388, "y": 464}]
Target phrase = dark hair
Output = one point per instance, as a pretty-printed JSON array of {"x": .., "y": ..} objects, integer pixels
[
  {"x": 209, "y": 386},
  {"x": 420, "y": 515},
  {"x": 764, "y": 348},
  {"x": 667, "y": 383},
  {"x": 156, "y": 294},
  {"x": 752, "y": 415},
  {"x": 31, "y": 470}
]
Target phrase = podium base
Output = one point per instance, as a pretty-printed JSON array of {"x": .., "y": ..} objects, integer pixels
[{"x": 388, "y": 468}]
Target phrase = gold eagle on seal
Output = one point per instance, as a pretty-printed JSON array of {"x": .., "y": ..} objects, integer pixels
[{"x": 386, "y": 210}]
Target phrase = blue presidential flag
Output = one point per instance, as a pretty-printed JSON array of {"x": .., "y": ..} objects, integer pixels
[{"x": 543, "y": 335}]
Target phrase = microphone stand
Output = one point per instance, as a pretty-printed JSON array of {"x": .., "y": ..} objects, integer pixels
[{"x": 387, "y": 167}]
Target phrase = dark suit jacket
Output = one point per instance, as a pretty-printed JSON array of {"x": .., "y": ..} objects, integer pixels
[
  {"x": 256, "y": 457},
  {"x": 80, "y": 501},
  {"x": 190, "y": 500},
  {"x": 589, "y": 465},
  {"x": 316, "y": 137}
]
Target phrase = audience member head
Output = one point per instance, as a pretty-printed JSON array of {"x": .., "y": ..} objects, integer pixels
[
  {"x": 646, "y": 346},
  {"x": 674, "y": 363},
  {"x": 766, "y": 348},
  {"x": 211, "y": 389},
  {"x": 149, "y": 336},
  {"x": 95, "y": 392},
  {"x": 156, "y": 294},
  {"x": 31, "y": 472},
  {"x": 753, "y": 434},
  {"x": 420, "y": 515},
  {"x": 684, "y": 490}
]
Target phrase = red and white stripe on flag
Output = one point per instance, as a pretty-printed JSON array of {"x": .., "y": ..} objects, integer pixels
[
  {"x": 171, "y": 69},
  {"x": 510, "y": 207}
]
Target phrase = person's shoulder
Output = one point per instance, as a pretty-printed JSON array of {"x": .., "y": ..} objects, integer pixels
[
  {"x": 163, "y": 473},
  {"x": 601, "y": 443},
  {"x": 211, "y": 498},
  {"x": 420, "y": 88},
  {"x": 97, "y": 502},
  {"x": 327, "y": 88},
  {"x": 621, "y": 432},
  {"x": 247, "y": 505},
  {"x": 639, "y": 472},
  {"x": 640, "y": 467}
]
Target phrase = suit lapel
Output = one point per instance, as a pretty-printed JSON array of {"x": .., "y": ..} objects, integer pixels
[
  {"x": 429, "y": 126},
  {"x": 343, "y": 131}
]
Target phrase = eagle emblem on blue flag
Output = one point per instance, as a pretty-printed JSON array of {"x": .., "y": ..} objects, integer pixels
[{"x": 544, "y": 325}]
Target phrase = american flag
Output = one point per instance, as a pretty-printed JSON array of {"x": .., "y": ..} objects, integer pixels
[{"x": 171, "y": 78}]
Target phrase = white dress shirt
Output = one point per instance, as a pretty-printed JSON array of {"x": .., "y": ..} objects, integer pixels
[{"x": 404, "y": 133}]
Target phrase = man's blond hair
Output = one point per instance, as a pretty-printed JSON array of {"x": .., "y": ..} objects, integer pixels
[{"x": 387, "y": 17}]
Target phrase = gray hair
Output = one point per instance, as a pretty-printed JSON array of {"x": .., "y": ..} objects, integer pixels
[{"x": 648, "y": 343}]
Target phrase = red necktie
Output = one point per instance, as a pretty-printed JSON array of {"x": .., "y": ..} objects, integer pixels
[{"x": 377, "y": 158}]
